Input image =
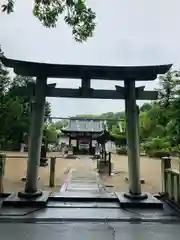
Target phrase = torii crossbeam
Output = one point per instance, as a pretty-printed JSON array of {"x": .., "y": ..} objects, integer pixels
[{"x": 128, "y": 74}]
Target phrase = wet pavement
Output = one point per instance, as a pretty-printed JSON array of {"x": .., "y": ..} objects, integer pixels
[
  {"x": 89, "y": 231},
  {"x": 88, "y": 211}
]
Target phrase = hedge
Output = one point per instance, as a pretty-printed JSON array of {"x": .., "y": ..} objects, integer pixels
[
  {"x": 121, "y": 151},
  {"x": 158, "y": 153}
]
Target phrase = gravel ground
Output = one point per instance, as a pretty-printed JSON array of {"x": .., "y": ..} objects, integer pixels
[{"x": 16, "y": 166}]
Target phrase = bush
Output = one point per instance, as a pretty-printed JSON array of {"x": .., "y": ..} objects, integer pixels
[
  {"x": 121, "y": 151},
  {"x": 174, "y": 153},
  {"x": 158, "y": 153},
  {"x": 119, "y": 140},
  {"x": 155, "y": 144}
]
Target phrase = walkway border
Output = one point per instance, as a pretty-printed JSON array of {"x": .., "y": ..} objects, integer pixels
[{"x": 67, "y": 181}]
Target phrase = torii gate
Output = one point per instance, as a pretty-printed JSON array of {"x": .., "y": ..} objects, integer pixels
[{"x": 87, "y": 74}]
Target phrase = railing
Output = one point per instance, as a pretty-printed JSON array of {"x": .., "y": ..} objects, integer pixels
[
  {"x": 3, "y": 158},
  {"x": 170, "y": 180},
  {"x": 52, "y": 172},
  {"x": 170, "y": 176}
]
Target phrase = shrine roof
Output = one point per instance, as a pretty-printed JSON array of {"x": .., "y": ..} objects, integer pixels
[
  {"x": 83, "y": 125},
  {"x": 139, "y": 73},
  {"x": 106, "y": 136}
]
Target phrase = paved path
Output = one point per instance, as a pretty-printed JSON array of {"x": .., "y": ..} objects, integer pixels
[
  {"x": 89, "y": 231},
  {"x": 85, "y": 178},
  {"x": 82, "y": 213}
]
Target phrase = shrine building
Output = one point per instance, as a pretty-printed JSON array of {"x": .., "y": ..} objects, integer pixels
[{"x": 82, "y": 133}]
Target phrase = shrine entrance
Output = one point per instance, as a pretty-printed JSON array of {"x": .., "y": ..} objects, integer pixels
[
  {"x": 39, "y": 91},
  {"x": 82, "y": 133}
]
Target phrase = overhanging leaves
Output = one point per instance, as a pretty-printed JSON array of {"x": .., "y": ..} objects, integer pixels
[{"x": 76, "y": 14}]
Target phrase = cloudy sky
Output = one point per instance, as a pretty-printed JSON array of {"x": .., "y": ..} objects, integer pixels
[{"x": 129, "y": 32}]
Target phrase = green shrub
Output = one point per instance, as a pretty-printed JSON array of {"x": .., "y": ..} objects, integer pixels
[
  {"x": 158, "y": 153},
  {"x": 121, "y": 151},
  {"x": 157, "y": 143},
  {"x": 119, "y": 140},
  {"x": 173, "y": 153}
]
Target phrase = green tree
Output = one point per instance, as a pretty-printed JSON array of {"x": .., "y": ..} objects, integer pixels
[
  {"x": 115, "y": 130},
  {"x": 60, "y": 124},
  {"x": 160, "y": 122},
  {"x": 145, "y": 107},
  {"x": 115, "y": 117},
  {"x": 166, "y": 91},
  {"x": 156, "y": 143},
  {"x": 15, "y": 90},
  {"x": 50, "y": 133},
  {"x": 169, "y": 101},
  {"x": 4, "y": 83},
  {"x": 4, "y": 78},
  {"x": 146, "y": 125},
  {"x": 15, "y": 113},
  {"x": 76, "y": 15}
]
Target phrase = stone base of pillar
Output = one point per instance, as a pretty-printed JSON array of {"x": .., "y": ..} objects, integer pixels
[
  {"x": 36, "y": 194},
  {"x": 23, "y": 199},
  {"x": 141, "y": 196},
  {"x": 145, "y": 201}
]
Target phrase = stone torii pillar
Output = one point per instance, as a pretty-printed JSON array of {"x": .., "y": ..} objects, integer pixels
[
  {"x": 35, "y": 140},
  {"x": 132, "y": 129}
]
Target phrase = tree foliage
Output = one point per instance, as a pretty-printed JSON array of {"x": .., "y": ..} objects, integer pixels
[
  {"x": 50, "y": 134},
  {"x": 4, "y": 78},
  {"x": 159, "y": 120},
  {"x": 161, "y": 123},
  {"x": 15, "y": 110},
  {"x": 76, "y": 14},
  {"x": 60, "y": 124}
]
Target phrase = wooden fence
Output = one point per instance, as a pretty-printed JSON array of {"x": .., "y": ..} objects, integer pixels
[
  {"x": 170, "y": 180},
  {"x": 3, "y": 158},
  {"x": 170, "y": 176}
]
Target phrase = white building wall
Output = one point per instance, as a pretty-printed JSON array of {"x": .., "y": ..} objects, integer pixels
[
  {"x": 94, "y": 143},
  {"x": 73, "y": 142},
  {"x": 63, "y": 140},
  {"x": 110, "y": 147}
]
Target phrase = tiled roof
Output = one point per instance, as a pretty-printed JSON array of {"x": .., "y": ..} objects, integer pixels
[{"x": 83, "y": 125}]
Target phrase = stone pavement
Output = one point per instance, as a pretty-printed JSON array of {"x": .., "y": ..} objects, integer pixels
[
  {"x": 85, "y": 179},
  {"x": 85, "y": 211},
  {"x": 89, "y": 231}
]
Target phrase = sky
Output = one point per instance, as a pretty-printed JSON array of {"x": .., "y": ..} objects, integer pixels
[{"x": 128, "y": 32}]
